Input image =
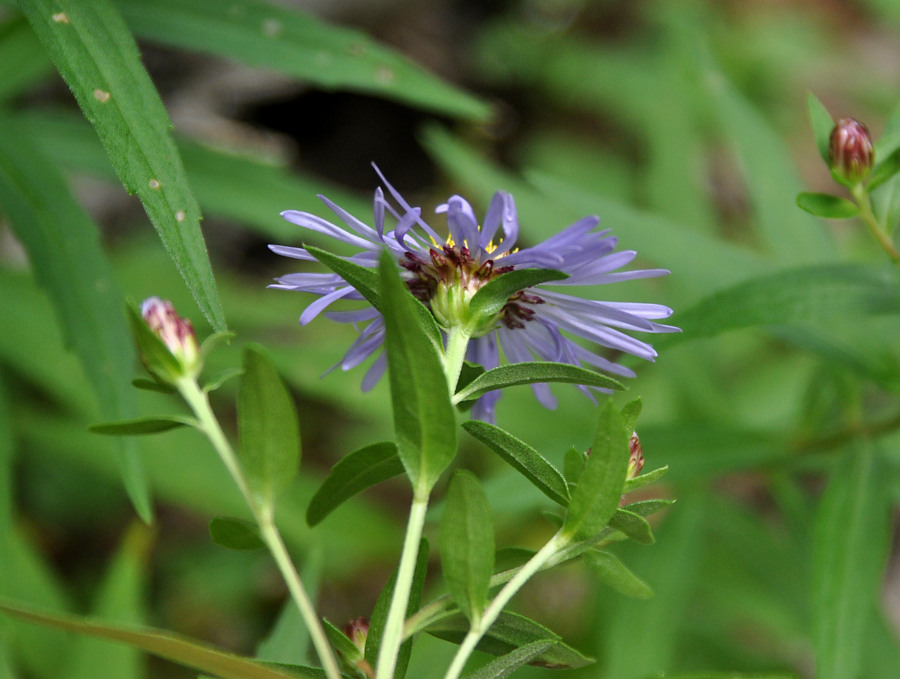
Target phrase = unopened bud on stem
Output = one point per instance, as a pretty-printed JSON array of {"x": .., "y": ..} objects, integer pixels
[
  {"x": 636, "y": 458},
  {"x": 850, "y": 150},
  {"x": 178, "y": 336}
]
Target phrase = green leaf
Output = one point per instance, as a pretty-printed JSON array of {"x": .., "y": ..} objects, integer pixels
[
  {"x": 883, "y": 171},
  {"x": 342, "y": 643},
  {"x": 424, "y": 419},
  {"x": 153, "y": 424},
  {"x": 379, "y": 614},
  {"x": 523, "y": 458},
  {"x": 174, "y": 647},
  {"x": 490, "y": 300},
  {"x": 120, "y": 600},
  {"x": 633, "y": 525},
  {"x": 238, "y": 534},
  {"x": 509, "y": 632},
  {"x": 506, "y": 664},
  {"x": 366, "y": 283},
  {"x": 827, "y": 293},
  {"x": 599, "y": 490},
  {"x": 98, "y": 58},
  {"x": 630, "y": 414},
  {"x": 645, "y": 479},
  {"x": 826, "y": 205},
  {"x": 152, "y": 385},
  {"x": 23, "y": 60},
  {"x": 515, "y": 374},
  {"x": 612, "y": 572},
  {"x": 467, "y": 544},
  {"x": 822, "y": 124},
  {"x": 267, "y": 421},
  {"x": 354, "y": 473},
  {"x": 850, "y": 547},
  {"x": 67, "y": 258},
  {"x": 284, "y": 39},
  {"x": 573, "y": 466}
]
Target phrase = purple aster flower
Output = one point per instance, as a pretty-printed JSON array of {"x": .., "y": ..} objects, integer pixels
[{"x": 445, "y": 273}]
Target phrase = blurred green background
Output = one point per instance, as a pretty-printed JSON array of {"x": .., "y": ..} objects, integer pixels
[{"x": 683, "y": 125}]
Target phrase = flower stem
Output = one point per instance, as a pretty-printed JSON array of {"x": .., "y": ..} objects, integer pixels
[
  {"x": 871, "y": 221},
  {"x": 455, "y": 354},
  {"x": 198, "y": 401},
  {"x": 480, "y": 626},
  {"x": 392, "y": 637}
]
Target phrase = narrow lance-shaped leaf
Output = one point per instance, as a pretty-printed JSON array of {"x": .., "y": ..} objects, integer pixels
[
  {"x": 467, "y": 544},
  {"x": 270, "y": 434},
  {"x": 424, "y": 419},
  {"x": 509, "y": 632},
  {"x": 523, "y": 458},
  {"x": 354, "y": 473},
  {"x": 851, "y": 537},
  {"x": 884, "y": 171},
  {"x": 64, "y": 250},
  {"x": 167, "y": 645},
  {"x": 822, "y": 124},
  {"x": 612, "y": 572},
  {"x": 515, "y": 374},
  {"x": 599, "y": 490},
  {"x": 98, "y": 58},
  {"x": 282, "y": 38},
  {"x": 143, "y": 425},
  {"x": 506, "y": 664}
]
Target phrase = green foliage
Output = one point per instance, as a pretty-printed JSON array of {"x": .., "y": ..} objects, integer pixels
[
  {"x": 270, "y": 435},
  {"x": 467, "y": 544}
]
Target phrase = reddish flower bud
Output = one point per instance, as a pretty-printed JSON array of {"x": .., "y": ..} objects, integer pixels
[
  {"x": 358, "y": 631},
  {"x": 850, "y": 150},
  {"x": 176, "y": 333},
  {"x": 636, "y": 459}
]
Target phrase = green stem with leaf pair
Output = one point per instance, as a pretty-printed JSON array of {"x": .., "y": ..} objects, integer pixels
[
  {"x": 197, "y": 400},
  {"x": 861, "y": 196}
]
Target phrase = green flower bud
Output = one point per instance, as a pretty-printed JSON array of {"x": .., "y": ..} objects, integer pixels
[
  {"x": 850, "y": 151},
  {"x": 357, "y": 630},
  {"x": 636, "y": 459}
]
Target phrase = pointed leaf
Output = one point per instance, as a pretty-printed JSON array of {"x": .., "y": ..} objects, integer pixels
[
  {"x": 644, "y": 479},
  {"x": 174, "y": 647},
  {"x": 509, "y": 632},
  {"x": 614, "y": 573},
  {"x": 143, "y": 425},
  {"x": 467, "y": 544},
  {"x": 98, "y": 58},
  {"x": 826, "y": 205},
  {"x": 535, "y": 372},
  {"x": 506, "y": 664},
  {"x": 573, "y": 466},
  {"x": 630, "y": 414},
  {"x": 267, "y": 421},
  {"x": 596, "y": 497},
  {"x": 379, "y": 614},
  {"x": 490, "y": 300},
  {"x": 822, "y": 123},
  {"x": 269, "y": 35},
  {"x": 424, "y": 419},
  {"x": 67, "y": 258},
  {"x": 633, "y": 525},
  {"x": 354, "y": 473},
  {"x": 884, "y": 170},
  {"x": 233, "y": 533},
  {"x": 342, "y": 643},
  {"x": 851, "y": 538},
  {"x": 523, "y": 458}
]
